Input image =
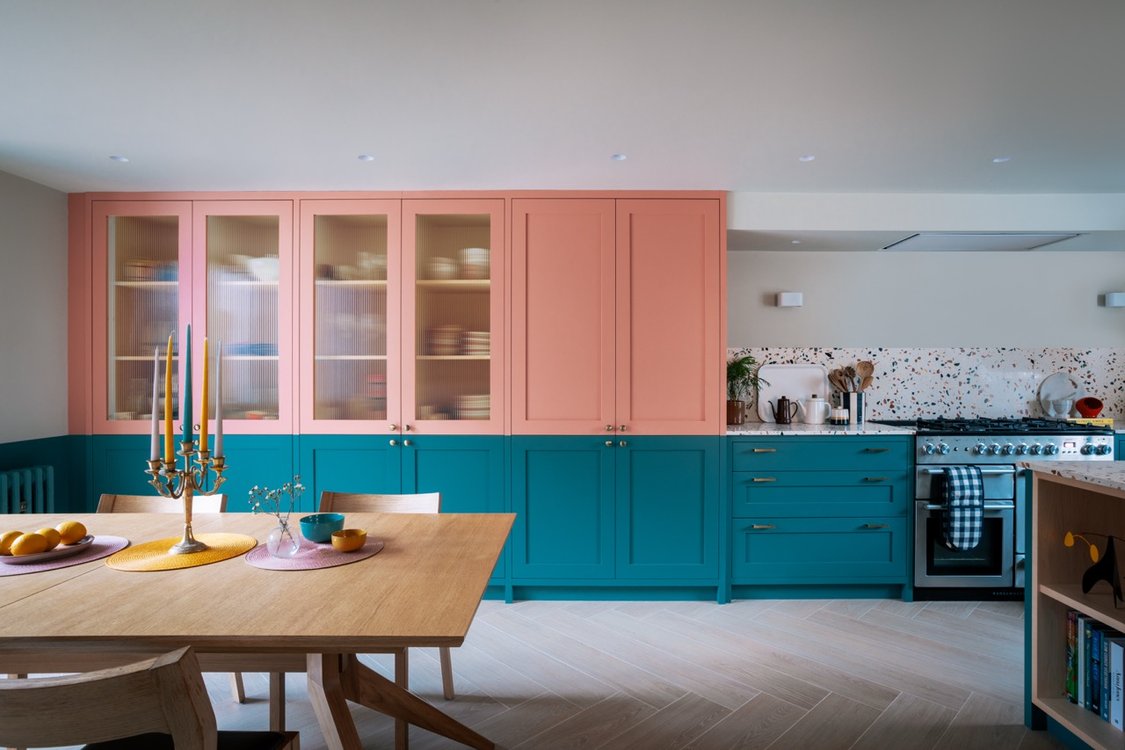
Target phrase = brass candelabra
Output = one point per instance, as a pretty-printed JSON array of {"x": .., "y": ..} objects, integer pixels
[{"x": 175, "y": 483}]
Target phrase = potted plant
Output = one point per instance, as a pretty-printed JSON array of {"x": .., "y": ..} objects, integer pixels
[{"x": 742, "y": 378}]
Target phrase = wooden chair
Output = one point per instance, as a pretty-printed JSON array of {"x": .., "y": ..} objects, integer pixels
[
  {"x": 155, "y": 704},
  {"x": 157, "y": 504},
  {"x": 428, "y": 502}
]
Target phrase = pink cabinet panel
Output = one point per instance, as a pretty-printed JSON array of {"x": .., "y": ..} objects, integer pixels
[
  {"x": 669, "y": 349},
  {"x": 562, "y": 316}
]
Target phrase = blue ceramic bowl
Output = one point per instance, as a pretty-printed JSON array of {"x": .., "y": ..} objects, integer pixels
[{"x": 319, "y": 526}]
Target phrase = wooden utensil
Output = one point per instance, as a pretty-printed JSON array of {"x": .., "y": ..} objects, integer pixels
[
  {"x": 866, "y": 382},
  {"x": 865, "y": 369},
  {"x": 853, "y": 382}
]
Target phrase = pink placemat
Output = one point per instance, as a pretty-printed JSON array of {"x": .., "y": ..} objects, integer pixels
[
  {"x": 311, "y": 556},
  {"x": 102, "y": 546}
]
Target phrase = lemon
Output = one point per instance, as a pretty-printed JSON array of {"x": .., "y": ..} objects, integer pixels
[
  {"x": 51, "y": 536},
  {"x": 6, "y": 540},
  {"x": 29, "y": 544},
  {"x": 70, "y": 531}
]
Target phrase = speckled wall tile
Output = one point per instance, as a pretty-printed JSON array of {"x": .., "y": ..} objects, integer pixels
[{"x": 966, "y": 381}]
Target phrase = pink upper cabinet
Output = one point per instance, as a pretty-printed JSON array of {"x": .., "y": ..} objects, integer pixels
[
  {"x": 562, "y": 316},
  {"x": 452, "y": 318},
  {"x": 616, "y": 316},
  {"x": 350, "y": 267},
  {"x": 243, "y": 295}
]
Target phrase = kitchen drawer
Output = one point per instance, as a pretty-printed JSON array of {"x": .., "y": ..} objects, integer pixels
[
  {"x": 819, "y": 550},
  {"x": 822, "y": 454},
  {"x": 813, "y": 494}
]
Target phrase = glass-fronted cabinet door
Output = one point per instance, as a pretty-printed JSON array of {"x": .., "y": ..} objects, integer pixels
[
  {"x": 452, "y": 311},
  {"x": 142, "y": 293},
  {"x": 243, "y": 297},
  {"x": 349, "y": 271}
]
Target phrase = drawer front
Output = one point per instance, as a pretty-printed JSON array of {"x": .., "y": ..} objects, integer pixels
[
  {"x": 812, "y": 494},
  {"x": 821, "y": 550},
  {"x": 816, "y": 454}
]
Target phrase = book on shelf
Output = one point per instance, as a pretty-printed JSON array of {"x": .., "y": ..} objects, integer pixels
[
  {"x": 1117, "y": 666},
  {"x": 1071, "y": 656},
  {"x": 1095, "y": 671},
  {"x": 1080, "y": 657}
]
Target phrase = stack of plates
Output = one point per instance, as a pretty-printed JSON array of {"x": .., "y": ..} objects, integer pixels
[
  {"x": 474, "y": 263},
  {"x": 473, "y": 406},
  {"x": 444, "y": 341},
  {"x": 476, "y": 343}
]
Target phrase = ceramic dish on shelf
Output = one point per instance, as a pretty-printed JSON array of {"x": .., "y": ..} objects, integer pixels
[
  {"x": 796, "y": 382},
  {"x": 1057, "y": 394},
  {"x": 63, "y": 550}
]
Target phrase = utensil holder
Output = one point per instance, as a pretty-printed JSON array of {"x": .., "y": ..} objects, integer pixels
[{"x": 854, "y": 402}]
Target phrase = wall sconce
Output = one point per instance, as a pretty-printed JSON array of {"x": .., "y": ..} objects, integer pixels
[
  {"x": 1113, "y": 299},
  {"x": 796, "y": 299}
]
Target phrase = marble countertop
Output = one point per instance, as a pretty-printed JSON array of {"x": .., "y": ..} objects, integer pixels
[
  {"x": 756, "y": 429},
  {"x": 1102, "y": 473}
]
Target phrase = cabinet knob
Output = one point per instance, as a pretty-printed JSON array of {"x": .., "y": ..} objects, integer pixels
[
  {"x": 609, "y": 444},
  {"x": 408, "y": 443},
  {"x": 406, "y": 428},
  {"x": 392, "y": 427},
  {"x": 609, "y": 428},
  {"x": 874, "y": 525},
  {"x": 623, "y": 427},
  {"x": 623, "y": 443},
  {"x": 762, "y": 526},
  {"x": 394, "y": 442}
]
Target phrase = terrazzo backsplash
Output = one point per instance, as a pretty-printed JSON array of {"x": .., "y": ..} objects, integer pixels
[{"x": 995, "y": 382}]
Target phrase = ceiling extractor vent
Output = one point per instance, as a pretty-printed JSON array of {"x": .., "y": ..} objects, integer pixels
[{"x": 977, "y": 241}]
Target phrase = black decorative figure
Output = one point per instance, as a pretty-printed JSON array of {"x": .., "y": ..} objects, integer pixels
[{"x": 1105, "y": 569}]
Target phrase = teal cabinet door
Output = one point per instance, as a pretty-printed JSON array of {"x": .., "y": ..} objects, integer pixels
[
  {"x": 563, "y": 497},
  {"x": 348, "y": 463},
  {"x": 668, "y": 507},
  {"x": 1119, "y": 448},
  {"x": 117, "y": 467}
]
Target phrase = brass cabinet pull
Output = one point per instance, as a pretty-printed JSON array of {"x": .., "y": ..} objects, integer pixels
[
  {"x": 762, "y": 526},
  {"x": 406, "y": 428},
  {"x": 764, "y": 479},
  {"x": 392, "y": 427},
  {"x": 609, "y": 444},
  {"x": 609, "y": 428},
  {"x": 875, "y": 479},
  {"x": 875, "y": 450},
  {"x": 407, "y": 443},
  {"x": 874, "y": 525},
  {"x": 623, "y": 443},
  {"x": 394, "y": 442},
  {"x": 623, "y": 428},
  {"x": 765, "y": 450}
]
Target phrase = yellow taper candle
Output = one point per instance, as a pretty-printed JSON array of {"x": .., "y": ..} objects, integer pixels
[
  {"x": 206, "y": 383},
  {"x": 169, "y": 452}
]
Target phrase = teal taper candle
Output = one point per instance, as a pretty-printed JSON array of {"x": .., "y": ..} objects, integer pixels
[{"x": 186, "y": 412}]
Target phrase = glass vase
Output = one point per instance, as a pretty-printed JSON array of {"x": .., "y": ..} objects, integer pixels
[{"x": 283, "y": 540}]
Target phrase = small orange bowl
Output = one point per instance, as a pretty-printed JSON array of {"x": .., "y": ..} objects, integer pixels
[
  {"x": 348, "y": 540},
  {"x": 1089, "y": 407}
]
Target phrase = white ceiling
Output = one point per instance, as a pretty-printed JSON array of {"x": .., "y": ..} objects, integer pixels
[{"x": 889, "y": 95}]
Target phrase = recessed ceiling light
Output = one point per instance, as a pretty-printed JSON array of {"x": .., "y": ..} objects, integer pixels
[
  {"x": 619, "y": 157},
  {"x": 119, "y": 157},
  {"x": 1001, "y": 159},
  {"x": 795, "y": 242},
  {"x": 806, "y": 157},
  {"x": 366, "y": 157}
]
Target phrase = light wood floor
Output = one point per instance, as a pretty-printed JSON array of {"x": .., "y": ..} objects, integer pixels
[{"x": 870, "y": 675}]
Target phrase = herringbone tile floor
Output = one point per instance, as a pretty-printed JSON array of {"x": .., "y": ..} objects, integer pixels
[{"x": 832, "y": 674}]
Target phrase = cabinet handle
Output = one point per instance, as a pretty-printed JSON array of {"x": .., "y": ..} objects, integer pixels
[
  {"x": 609, "y": 428},
  {"x": 762, "y": 526},
  {"x": 623, "y": 443},
  {"x": 875, "y": 450},
  {"x": 408, "y": 443},
  {"x": 609, "y": 444},
  {"x": 392, "y": 427},
  {"x": 874, "y": 525},
  {"x": 764, "y": 479},
  {"x": 406, "y": 428},
  {"x": 765, "y": 450},
  {"x": 394, "y": 442},
  {"x": 875, "y": 479},
  {"x": 623, "y": 427}
]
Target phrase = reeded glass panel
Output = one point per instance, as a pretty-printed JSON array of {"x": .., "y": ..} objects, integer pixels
[
  {"x": 453, "y": 329},
  {"x": 143, "y": 296},
  {"x": 242, "y": 306},
  {"x": 350, "y": 346}
]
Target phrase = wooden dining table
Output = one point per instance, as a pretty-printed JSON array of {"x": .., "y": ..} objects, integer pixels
[{"x": 422, "y": 589}]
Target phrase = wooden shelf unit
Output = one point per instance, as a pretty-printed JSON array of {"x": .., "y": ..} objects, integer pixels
[{"x": 1060, "y": 505}]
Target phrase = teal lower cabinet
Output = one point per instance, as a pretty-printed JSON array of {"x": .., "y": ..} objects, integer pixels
[
  {"x": 347, "y": 463},
  {"x": 1119, "y": 448},
  {"x": 620, "y": 516},
  {"x": 824, "y": 516}
]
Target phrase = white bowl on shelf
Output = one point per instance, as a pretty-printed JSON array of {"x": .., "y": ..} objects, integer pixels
[{"x": 266, "y": 268}]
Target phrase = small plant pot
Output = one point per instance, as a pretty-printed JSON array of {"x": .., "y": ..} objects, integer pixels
[{"x": 736, "y": 412}]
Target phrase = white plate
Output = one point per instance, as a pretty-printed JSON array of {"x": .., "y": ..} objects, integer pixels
[
  {"x": 63, "y": 550},
  {"x": 797, "y": 382},
  {"x": 1061, "y": 386}
]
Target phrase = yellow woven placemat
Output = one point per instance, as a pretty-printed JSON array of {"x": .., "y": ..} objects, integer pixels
[{"x": 154, "y": 555}]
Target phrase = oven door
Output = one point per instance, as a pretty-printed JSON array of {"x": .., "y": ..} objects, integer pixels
[{"x": 991, "y": 564}]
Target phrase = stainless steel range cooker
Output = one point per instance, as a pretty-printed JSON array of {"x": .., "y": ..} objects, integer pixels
[{"x": 995, "y": 568}]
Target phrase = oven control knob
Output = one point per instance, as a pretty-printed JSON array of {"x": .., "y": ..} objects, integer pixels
[
  {"x": 980, "y": 449},
  {"x": 1008, "y": 449},
  {"x": 1035, "y": 450},
  {"x": 1086, "y": 450},
  {"x": 1021, "y": 449},
  {"x": 1050, "y": 449},
  {"x": 928, "y": 449},
  {"x": 994, "y": 449},
  {"x": 943, "y": 449},
  {"x": 1103, "y": 450}
]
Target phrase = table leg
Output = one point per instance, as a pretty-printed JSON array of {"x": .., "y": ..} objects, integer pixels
[
  {"x": 402, "y": 679},
  {"x": 335, "y": 679},
  {"x": 277, "y": 701}
]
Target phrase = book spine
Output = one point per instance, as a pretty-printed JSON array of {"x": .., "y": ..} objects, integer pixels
[
  {"x": 1080, "y": 657},
  {"x": 1117, "y": 662},
  {"x": 1071, "y": 663},
  {"x": 1095, "y": 669},
  {"x": 1107, "y": 636}
]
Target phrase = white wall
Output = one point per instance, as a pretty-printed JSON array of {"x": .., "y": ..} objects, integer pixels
[
  {"x": 871, "y": 299},
  {"x": 33, "y": 342}
]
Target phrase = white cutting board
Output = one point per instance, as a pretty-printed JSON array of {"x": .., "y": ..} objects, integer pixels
[{"x": 797, "y": 382}]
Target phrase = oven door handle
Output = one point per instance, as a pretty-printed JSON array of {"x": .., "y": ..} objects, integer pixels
[
  {"x": 987, "y": 506},
  {"x": 983, "y": 470}
]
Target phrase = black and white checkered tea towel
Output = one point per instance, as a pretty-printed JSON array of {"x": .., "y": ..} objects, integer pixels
[{"x": 964, "y": 507}]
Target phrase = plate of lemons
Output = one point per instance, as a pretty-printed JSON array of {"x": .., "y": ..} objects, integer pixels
[{"x": 19, "y": 548}]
